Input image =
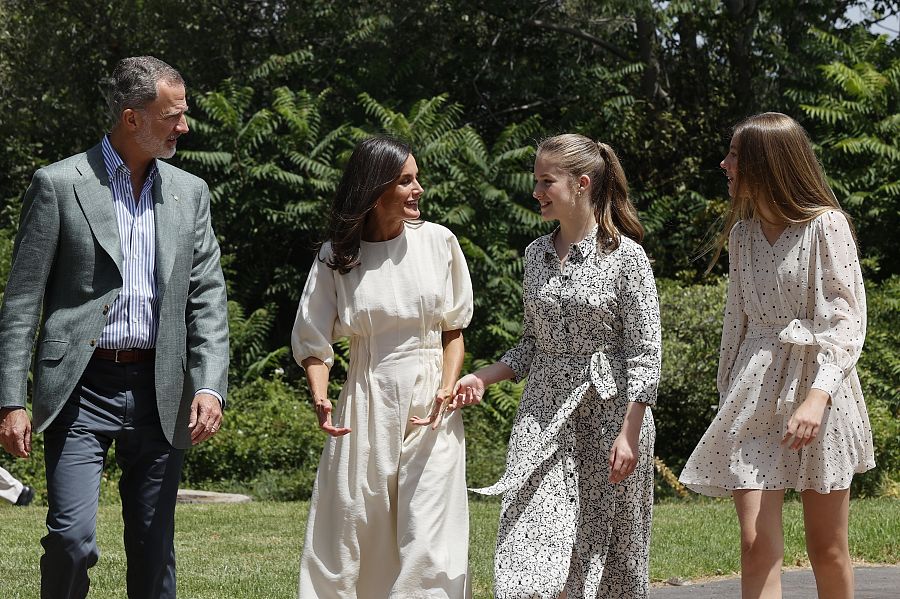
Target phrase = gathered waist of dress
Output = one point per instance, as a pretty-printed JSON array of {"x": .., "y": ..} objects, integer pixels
[
  {"x": 797, "y": 331},
  {"x": 758, "y": 330},
  {"x": 384, "y": 346}
]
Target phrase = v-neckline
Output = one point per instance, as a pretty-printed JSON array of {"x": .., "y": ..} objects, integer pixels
[{"x": 771, "y": 244}]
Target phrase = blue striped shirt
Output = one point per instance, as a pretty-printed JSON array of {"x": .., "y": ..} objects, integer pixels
[{"x": 133, "y": 317}]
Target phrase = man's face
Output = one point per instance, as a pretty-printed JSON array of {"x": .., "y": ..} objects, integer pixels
[{"x": 162, "y": 122}]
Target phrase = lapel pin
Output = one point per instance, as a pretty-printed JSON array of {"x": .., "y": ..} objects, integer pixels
[{"x": 175, "y": 196}]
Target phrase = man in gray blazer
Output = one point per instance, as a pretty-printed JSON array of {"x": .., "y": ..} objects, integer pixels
[{"x": 116, "y": 264}]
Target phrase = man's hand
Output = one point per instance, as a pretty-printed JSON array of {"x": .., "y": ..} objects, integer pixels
[
  {"x": 206, "y": 417},
  {"x": 15, "y": 431}
]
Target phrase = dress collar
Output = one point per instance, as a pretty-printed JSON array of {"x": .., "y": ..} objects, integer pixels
[{"x": 578, "y": 252}]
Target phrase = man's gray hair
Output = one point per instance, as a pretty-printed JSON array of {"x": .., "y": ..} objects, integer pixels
[{"x": 133, "y": 83}]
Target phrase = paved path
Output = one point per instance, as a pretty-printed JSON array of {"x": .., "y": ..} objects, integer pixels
[{"x": 875, "y": 582}]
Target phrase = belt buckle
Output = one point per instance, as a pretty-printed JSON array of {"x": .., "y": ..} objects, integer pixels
[{"x": 116, "y": 357}]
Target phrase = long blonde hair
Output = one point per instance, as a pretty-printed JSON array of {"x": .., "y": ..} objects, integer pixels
[
  {"x": 776, "y": 165},
  {"x": 578, "y": 155}
]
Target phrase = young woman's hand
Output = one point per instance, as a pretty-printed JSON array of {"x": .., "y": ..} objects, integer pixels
[
  {"x": 467, "y": 391},
  {"x": 323, "y": 412},
  {"x": 803, "y": 426},
  {"x": 623, "y": 457}
]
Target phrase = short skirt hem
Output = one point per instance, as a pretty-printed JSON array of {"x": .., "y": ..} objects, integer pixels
[{"x": 711, "y": 489}]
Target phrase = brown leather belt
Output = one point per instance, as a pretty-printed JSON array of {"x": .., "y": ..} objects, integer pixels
[{"x": 125, "y": 356}]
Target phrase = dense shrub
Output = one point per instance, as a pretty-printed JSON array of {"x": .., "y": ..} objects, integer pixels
[
  {"x": 692, "y": 326},
  {"x": 879, "y": 373},
  {"x": 269, "y": 444}
]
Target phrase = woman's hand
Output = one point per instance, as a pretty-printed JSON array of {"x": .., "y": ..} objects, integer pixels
[
  {"x": 323, "y": 411},
  {"x": 440, "y": 405},
  {"x": 467, "y": 391},
  {"x": 803, "y": 426},
  {"x": 623, "y": 457}
]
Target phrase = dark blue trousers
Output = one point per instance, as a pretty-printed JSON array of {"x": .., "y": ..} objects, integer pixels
[{"x": 111, "y": 403}]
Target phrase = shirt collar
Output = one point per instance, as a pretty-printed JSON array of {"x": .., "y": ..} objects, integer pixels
[
  {"x": 114, "y": 163},
  {"x": 578, "y": 252}
]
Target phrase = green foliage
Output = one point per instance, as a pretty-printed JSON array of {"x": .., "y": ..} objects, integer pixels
[
  {"x": 250, "y": 358},
  {"x": 692, "y": 328},
  {"x": 273, "y": 171},
  {"x": 879, "y": 373},
  {"x": 854, "y": 118},
  {"x": 269, "y": 444}
]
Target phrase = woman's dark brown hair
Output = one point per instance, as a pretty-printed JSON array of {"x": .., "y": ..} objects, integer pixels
[{"x": 374, "y": 165}]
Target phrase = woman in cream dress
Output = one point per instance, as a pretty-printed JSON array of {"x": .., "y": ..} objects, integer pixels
[
  {"x": 791, "y": 413},
  {"x": 389, "y": 515}
]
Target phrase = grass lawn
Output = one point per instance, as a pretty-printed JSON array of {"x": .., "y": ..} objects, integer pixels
[{"x": 252, "y": 550}]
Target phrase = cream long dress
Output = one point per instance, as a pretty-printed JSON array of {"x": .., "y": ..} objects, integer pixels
[
  {"x": 795, "y": 319},
  {"x": 389, "y": 514}
]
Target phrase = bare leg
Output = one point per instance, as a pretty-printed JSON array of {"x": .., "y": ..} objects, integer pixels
[
  {"x": 826, "y": 519},
  {"x": 762, "y": 542}
]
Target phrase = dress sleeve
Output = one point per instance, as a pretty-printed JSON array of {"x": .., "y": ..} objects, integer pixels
[
  {"x": 839, "y": 314},
  {"x": 458, "y": 304},
  {"x": 519, "y": 358},
  {"x": 641, "y": 329},
  {"x": 316, "y": 315},
  {"x": 734, "y": 320}
]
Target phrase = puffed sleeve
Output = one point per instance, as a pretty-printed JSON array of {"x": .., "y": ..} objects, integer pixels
[
  {"x": 734, "y": 320},
  {"x": 458, "y": 302},
  {"x": 839, "y": 314},
  {"x": 641, "y": 329},
  {"x": 519, "y": 357},
  {"x": 316, "y": 314}
]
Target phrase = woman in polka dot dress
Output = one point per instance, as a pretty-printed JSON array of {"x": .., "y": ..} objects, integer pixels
[
  {"x": 578, "y": 487},
  {"x": 791, "y": 413}
]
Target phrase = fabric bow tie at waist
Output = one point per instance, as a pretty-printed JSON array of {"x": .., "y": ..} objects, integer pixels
[
  {"x": 546, "y": 443},
  {"x": 798, "y": 334}
]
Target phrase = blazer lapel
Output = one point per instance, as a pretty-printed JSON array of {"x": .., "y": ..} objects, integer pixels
[
  {"x": 96, "y": 202},
  {"x": 165, "y": 211}
]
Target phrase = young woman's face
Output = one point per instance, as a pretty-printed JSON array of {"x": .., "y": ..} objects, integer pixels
[
  {"x": 400, "y": 201},
  {"x": 553, "y": 189},
  {"x": 729, "y": 165}
]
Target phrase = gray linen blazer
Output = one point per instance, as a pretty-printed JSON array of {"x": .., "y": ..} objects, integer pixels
[{"x": 68, "y": 260}]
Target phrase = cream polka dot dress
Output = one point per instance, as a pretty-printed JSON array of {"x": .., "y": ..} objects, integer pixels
[{"x": 795, "y": 319}]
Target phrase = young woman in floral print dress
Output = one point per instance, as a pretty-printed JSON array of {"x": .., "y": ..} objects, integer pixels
[{"x": 578, "y": 487}]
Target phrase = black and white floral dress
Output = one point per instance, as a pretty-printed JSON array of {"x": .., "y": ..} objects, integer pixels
[{"x": 590, "y": 345}]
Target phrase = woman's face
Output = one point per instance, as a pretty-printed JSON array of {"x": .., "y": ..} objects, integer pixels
[
  {"x": 554, "y": 191},
  {"x": 400, "y": 201},
  {"x": 729, "y": 165}
]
